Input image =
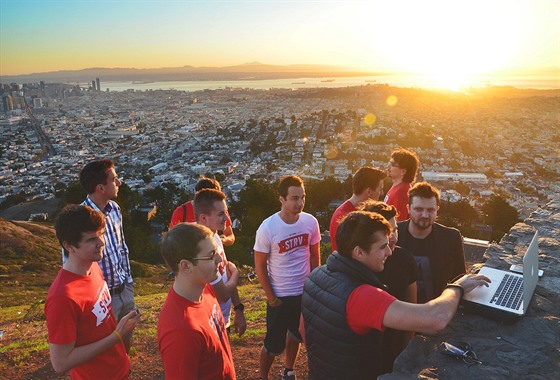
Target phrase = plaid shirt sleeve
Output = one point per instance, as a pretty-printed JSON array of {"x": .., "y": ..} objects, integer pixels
[{"x": 115, "y": 263}]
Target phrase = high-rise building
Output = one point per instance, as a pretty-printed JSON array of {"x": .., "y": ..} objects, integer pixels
[
  {"x": 98, "y": 84},
  {"x": 7, "y": 104},
  {"x": 37, "y": 103},
  {"x": 93, "y": 85}
]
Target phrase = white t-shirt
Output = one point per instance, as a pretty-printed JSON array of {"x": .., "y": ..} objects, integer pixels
[
  {"x": 223, "y": 276},
  {"x": 287, "y": 246}
]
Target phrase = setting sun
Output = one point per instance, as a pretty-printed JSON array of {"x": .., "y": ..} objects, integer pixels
[
  {"x": 434, "y": 43},
  {"x": 447, "y": 43}
]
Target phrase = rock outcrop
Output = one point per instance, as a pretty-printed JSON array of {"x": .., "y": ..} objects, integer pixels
[{"x": 526, "y": 349}]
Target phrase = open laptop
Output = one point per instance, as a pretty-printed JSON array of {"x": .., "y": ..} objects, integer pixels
[{"x": 508, "y": 296}]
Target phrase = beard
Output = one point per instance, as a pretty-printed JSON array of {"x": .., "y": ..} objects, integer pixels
[{"x": 422, "y": 223}]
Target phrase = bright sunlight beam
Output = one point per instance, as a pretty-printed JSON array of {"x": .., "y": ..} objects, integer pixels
[{"x": 448, "y": 43}]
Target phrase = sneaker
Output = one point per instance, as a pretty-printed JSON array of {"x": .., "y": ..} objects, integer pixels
[{"x": 288, "y": 374}]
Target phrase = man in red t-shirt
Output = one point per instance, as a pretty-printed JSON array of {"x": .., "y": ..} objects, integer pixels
[
  {"x": 402, "y": 170},
  {"x": 83, "y": 334},
  {"x": 192, "y": 337},
  {"x": 367, "y": 183},
  {"x": 185, "y": 212},
  {"x": 345, "y": 307}
]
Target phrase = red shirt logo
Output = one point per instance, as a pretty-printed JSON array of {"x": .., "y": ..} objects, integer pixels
[{"x": 293, "y": 242}]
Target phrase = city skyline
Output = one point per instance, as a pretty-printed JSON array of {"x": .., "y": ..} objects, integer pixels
[{"x": 449, "y": 42}]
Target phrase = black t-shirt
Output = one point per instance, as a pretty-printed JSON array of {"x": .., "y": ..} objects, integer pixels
[
  {"x": 399, "y": 272},
  {"x": 423, "y": 249}
]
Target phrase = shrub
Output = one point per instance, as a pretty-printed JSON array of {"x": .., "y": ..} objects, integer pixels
[{"x": 139, "y": 269}]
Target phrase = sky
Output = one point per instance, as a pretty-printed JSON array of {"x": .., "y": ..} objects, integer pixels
[{"x": 454, "y": 39}]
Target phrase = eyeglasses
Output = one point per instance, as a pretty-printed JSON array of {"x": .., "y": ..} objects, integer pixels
[
  {"x": 211, "y": 257},
  {"x": 465, "y": 352}
]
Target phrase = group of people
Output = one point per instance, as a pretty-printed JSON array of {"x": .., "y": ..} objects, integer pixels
[{"x": 388, "y": 277}]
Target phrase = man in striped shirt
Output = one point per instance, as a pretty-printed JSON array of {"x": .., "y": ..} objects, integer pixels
[{"x": 100, "y": 181}]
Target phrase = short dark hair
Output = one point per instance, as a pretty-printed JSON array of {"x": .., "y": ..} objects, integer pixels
[
  {"x": 365, "y": 177},
  {"x": 207, "y": 183},
  {"x": 286, "y": 182},
  {"x": 181, "y": 243},
  {"x": 95, "y": 173},
  {"x": 358, "y": 229},
  {"x": 423, "y": 190},
  {"x": 406, "y": 160},
  {"x": 73, "y": 221},
  {"x": 204, "y": 200},
  {"x": 382, "y": 208}
]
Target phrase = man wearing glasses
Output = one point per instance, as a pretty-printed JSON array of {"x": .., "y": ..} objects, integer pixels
[
  {"x": 211, "y": 211},
  {"x": 192, "y": 337},
  {"x": 401, "y": 170}
]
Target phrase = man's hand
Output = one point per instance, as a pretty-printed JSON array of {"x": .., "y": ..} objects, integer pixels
[
  {"x": 239, "y": 322},
  {"x": 126, "y": 325},
  {"x": 471, "y": 281},
  {"x": 232, "y": 271},
  {"x": 276, "y": 302}
]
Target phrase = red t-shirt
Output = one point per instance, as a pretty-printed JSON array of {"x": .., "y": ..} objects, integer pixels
[
  {"x": 78, "y": 309},
  {"x": 178, "y": 215},
  {"x": 398, "y": 197},
  {"x": 366, "y": 308},
  {"x": 342, "y": 210},
  {"x": 192, "y": 338}
]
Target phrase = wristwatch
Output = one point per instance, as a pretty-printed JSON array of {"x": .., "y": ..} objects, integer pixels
[{"x": 239, "y": 307}]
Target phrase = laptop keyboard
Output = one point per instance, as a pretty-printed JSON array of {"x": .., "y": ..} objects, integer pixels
[{"x": 509, "y": 293}]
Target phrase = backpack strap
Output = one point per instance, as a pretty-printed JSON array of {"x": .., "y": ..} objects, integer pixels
[{"x": 184, "y": 212}]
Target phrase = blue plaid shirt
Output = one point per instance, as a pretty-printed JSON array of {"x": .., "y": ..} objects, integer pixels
[{"x": 114, "y": 264}]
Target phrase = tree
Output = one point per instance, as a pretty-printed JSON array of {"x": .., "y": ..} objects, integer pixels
[
  {"x": 458, "y": 214},
  {"x": 127, "y": 199},
  {"x": 319, "y": 193},
  {"x": 462, "y": 188},
  {"x": 257, "y": 201},
  {"x": 500, "y": 215},
  {"x": 138, "y": 235},
  {"x": 74, "y": 194},
  {"x": 12, "y": 200},
  {"x": 147, "y": 178}
]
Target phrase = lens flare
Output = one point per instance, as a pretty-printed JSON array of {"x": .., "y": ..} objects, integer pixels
[
  {"x": 330, "y": 152},
  {"x": 392, "y": 100},
  {"x": 369, "y": 119}
]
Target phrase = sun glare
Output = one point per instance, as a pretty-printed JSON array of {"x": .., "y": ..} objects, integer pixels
[{"x": 447, "y": 44}]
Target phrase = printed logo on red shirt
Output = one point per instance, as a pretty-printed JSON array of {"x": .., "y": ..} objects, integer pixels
[
  {"x": 293, "y": 242},
  {"x": 103, "y": 305}
]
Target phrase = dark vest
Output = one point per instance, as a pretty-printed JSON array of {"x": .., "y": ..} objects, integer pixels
[{"x": 334, "y": 351}]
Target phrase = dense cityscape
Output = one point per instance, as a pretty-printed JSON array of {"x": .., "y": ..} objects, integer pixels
[{"x": 502, "y": 143}]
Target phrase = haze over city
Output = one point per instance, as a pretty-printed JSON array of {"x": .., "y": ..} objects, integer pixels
[{"x": 449, "y": 42}]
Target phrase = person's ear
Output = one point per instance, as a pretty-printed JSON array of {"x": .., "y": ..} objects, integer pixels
[
  {"x": 202, "y": 218},
  {"x": 185, "y": 266},
  {"x": 357, "y": 252},
  {"x": 68, "y": 247},
  {"x": 99, "y": 187}
]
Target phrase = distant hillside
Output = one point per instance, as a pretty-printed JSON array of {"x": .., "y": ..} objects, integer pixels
[
  {"x": 28, "y": 247},
  {"x": 252, "y": 70}
]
